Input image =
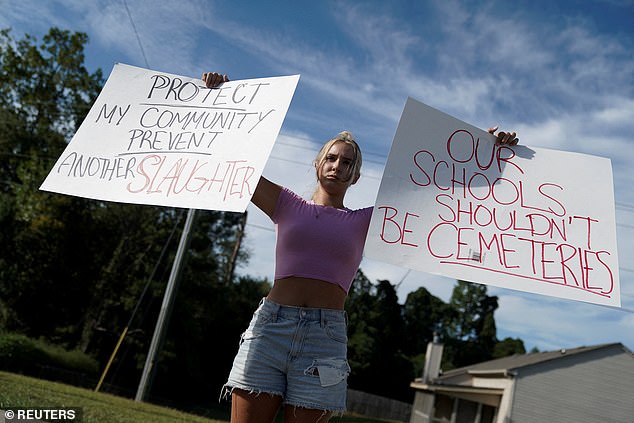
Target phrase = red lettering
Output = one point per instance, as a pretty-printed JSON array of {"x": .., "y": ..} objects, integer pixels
[
  {"x": 500, "y": 158},
  {"x": 441, "y": 187},
  {"x": 460, "y": 244},
  {"x": 417, "y": 164},
  {"x": 462, "y": 182},
  {"x": 400, "y": 229},
  {"x": 468, "y": 212},
  {"x": 482, "y": 244},
  {"x": 461, "y": 140},
  {"x": 541, "y": 188},
  {"x": 453, "y": 214},
  {"x": 198, "y": 188},
  {"x": 544, "y": 261},
  {"x": 158, "y": 160},
  {"x": 564, "y": 259},
  {"x": 588, "y": 227},
  {"x": 486, "y": 183},
  {"x": 607, "y": 268},
  {"x": 477, "y": 156},
  {"x": 432, "y": 232},
  {"x": 497, "y": 185},
  {"x": 488, "y": 216},
  {"x": 506, "y": 250},
  {"x": 562, "y": 211},
  {"x": 532, "y": 242}
]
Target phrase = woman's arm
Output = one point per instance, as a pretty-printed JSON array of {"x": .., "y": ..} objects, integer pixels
[{"x": 266, "y": 195}]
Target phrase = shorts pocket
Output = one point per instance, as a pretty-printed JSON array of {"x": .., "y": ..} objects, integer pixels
[
  {"x": 257, "y": 325},
  {"x": 331, "y": 371},
  {"x": 337, "y": 331}
]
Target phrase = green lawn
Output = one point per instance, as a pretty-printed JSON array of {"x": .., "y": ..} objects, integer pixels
[{"x": 21, "y": 391}]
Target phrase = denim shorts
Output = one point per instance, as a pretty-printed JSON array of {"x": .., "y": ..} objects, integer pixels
[{"x": 296, "y": 353}]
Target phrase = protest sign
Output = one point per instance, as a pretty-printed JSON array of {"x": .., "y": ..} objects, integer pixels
[
  {"x": 163, "y": 139},
  {"x": 453, "y": 203}
]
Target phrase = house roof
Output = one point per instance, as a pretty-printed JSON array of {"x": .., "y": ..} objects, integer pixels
[{"x": 509, "y": 364}]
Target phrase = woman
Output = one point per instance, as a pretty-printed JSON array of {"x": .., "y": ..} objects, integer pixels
[{"x": 294, "y": 351}]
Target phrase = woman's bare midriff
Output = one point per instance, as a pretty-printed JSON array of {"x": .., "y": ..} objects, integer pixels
[{"x": 306, "y": 292}]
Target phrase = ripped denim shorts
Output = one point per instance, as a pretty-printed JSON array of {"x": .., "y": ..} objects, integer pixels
[{"x": 296, "y": 353}]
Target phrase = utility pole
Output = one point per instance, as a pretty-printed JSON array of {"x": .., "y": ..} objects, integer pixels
[{"x": 166, "y": 310}]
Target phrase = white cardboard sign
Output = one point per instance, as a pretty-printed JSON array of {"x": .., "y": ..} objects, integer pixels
[
  {"x": 163, "y": 139},
  {"x": 453, "y": 203}
]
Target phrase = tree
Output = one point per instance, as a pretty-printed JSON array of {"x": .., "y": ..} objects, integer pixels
[
  {"x": 389, "y": 359},
  {"x": 360, "y": 307},
  {"x": 424, "y": 315},
  {"x": 376, "y": 334},
  {"x": 44, "y": 93},
  {"x": 470, "y": 325},
  {"x": 72, "y": 270},
  {"x": 472, "y": 311},
  {"x": 508, "y": 346}
]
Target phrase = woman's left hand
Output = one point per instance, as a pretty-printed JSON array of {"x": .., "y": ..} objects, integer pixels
[
  {"x": 504, "y": 138},
  {"x": 213, "y": 79}
]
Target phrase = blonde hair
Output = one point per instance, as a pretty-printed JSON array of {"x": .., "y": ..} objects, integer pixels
[{"x": 347, "y": 138}]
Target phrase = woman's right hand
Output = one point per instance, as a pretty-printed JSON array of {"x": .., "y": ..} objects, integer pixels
[
  {"x": 508, "y": 138},
  {"x": 213, "y": 79}
]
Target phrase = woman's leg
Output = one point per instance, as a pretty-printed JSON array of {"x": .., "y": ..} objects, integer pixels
[
  {"x": 253, "y": 408},
  {"x": 305, "y": 415}
]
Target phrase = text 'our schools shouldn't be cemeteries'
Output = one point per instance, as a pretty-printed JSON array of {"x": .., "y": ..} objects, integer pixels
[
  {"x": 453, "y": 203},
  {"x": 157, "y": 138}
]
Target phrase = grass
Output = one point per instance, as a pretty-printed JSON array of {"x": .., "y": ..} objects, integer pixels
[{"x": 22, "y": 391}]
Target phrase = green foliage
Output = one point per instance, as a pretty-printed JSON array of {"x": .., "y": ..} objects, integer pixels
[
  {"x": 387, "y": 341},
  {"x": 509, "y": 346},
  {"x": 471, "y": 308},
  {"x": 469, "y": 331},
  {"x": 203, "y": 337},
  {"x": 44, "y": 94},
  {"x": 19, "y": 353},
  {"x": 376, "y": 340},
  {"x": 424, "y": 315}
]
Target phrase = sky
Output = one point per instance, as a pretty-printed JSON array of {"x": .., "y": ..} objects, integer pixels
[{"x": 560, "y": 73}]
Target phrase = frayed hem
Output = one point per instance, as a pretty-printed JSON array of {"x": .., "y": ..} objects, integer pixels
[
  {"x": 334, "y": 412},
  {"x": 227, "y": 391}
]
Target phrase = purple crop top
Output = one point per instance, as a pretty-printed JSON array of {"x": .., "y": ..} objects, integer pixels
[{"x": 318, "y": 242}]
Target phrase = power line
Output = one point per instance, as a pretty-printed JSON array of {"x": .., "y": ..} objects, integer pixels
[
  {"x": 318, "y": 146},
  {"x": 264, "y": 228},
  {"x": 125, "y": 3},
  {"x": 283, "y": 159},
  {"x": 623, "y": 206}
]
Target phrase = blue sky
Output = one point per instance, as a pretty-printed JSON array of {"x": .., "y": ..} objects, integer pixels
[{"x": 558, "y": 72}]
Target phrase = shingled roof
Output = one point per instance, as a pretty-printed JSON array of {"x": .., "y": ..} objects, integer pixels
[{"x": 508, "y": 364}]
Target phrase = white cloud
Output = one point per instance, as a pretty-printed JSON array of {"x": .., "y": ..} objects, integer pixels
[{"x": 552, "y": 324}]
